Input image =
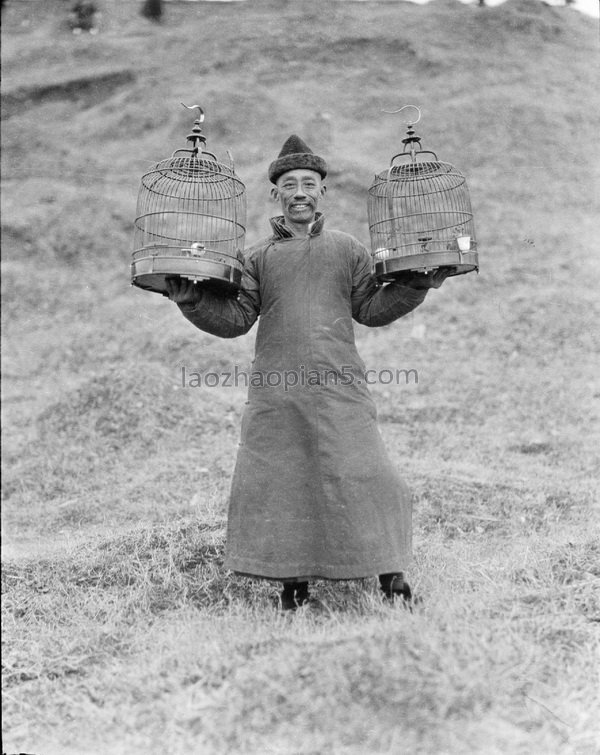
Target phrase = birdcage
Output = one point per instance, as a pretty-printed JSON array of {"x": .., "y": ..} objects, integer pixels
[
  {"x": 420, "y": 214},
  {"x": 191, "y": 217}
]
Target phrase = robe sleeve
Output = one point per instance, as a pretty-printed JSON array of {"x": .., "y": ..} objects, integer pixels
[
  {"x": 224, "y": 316},
  {"x": 375, "y": 305}
]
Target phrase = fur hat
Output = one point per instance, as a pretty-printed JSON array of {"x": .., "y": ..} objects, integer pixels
[{"x": 295, "y": 153}]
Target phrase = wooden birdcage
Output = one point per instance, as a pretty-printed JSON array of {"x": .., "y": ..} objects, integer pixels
[
  {"x": 420, "y": 214},
  {"x": 191, "y": 218}
]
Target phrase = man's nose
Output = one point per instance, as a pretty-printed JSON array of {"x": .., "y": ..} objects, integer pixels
[{"x": 299, "y": 193}]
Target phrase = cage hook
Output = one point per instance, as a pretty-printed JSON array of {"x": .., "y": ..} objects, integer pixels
[
  {"x": 196, "y": 137},
  {"x": 195, "y": 107},
  {"x": 411, "y": 141},
  {"x": 408, "y": 121}
]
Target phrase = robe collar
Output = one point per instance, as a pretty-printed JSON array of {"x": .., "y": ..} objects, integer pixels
[{"x": 281, "y": 231}]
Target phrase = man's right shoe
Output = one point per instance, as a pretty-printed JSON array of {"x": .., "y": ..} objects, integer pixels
[{"x": 294, "y": 595}]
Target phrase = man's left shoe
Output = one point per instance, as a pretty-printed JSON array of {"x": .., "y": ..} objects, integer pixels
[{"x": 393, "y": 586}]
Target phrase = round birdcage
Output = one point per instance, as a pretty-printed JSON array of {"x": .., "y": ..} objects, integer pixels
[
  {"x": 420, "y": 216},
  {"x": 190, "y": 220}
]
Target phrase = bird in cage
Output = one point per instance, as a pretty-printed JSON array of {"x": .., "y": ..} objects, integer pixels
[
  {"x": 419, "y": 212},
  {"x": 190, "y": 220}
]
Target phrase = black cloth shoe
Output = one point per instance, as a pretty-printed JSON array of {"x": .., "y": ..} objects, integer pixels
[
  {"x": 394, "y": 585},
  {"x": 293, "y": 595}
]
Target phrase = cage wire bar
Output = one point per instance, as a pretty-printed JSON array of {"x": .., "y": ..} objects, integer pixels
[
  {"x": 420, "y": 215},
  {"x": 190, "y": 220}
]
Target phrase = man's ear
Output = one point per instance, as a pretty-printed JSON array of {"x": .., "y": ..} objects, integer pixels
[
  {"x": 323, "y": 190},
  {"x": 274, "y": 193}
]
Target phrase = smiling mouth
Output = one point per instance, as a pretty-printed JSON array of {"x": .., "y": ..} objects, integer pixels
[{"x": 300, "y": 206}]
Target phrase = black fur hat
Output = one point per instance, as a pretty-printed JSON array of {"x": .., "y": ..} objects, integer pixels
[{"x": 295, "y": 153}]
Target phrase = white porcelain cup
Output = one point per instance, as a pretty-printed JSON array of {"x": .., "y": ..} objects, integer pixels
[{"x": 464, "y": 243}]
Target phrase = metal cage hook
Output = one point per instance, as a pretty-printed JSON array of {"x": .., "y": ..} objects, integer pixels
[
  {"x": 408, "y": 121},
  {"x": 196, "y": 138},
  {"x": 195, "y": 107}
]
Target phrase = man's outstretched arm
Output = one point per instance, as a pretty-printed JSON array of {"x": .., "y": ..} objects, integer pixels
[
  {"x": 218, "y": 315},
  {"x": 375, "y": 305}
]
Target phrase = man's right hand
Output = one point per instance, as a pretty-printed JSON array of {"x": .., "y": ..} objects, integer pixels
[
  {"x": 182, "y": 290},
  {"x": 422, "y": 281}
]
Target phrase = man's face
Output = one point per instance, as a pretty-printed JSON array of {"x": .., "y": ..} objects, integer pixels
[{"x": 298, "y": 192}]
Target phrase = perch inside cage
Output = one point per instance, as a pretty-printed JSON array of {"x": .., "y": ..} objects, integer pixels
[
  {"x": 420, "y": 214},
  {"x": 191, "y": 218}
]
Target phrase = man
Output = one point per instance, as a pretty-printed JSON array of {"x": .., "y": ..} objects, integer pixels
[{"x": 314, "y": 494}]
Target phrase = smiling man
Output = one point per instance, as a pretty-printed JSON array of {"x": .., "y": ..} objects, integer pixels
[{"x": 314, "y": 494}]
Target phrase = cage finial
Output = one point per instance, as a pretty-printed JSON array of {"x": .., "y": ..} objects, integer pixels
[
  {"x": 196, "y": 137},
  {"x": 411, "y": 139}
]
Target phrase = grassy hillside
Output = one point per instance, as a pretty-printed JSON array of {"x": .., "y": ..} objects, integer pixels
[{"x": 122, "y": 631}]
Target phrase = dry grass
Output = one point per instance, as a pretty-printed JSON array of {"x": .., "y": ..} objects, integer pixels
[
  {"x": 161, "y": 646},
  {"x": 122, "y": 631}
]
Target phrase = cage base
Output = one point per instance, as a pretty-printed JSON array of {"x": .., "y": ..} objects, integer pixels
[
  {"x": 457, "y": 262},
  {"x": 150, "y": 273}
]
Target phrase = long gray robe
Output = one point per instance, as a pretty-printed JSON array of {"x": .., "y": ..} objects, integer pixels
[{"x": 313, "y": 493}]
